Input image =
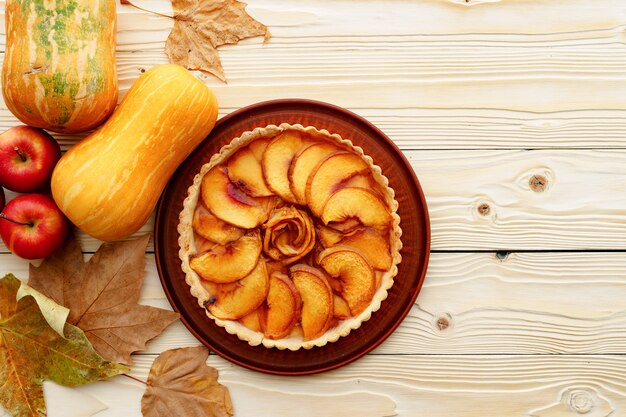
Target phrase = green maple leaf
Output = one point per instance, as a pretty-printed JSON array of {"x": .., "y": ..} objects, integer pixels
[{"x": 31, "y": 352}]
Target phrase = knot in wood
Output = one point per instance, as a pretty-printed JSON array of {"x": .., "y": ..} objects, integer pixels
[
  {"x": 443, "y": 322},
  {"x": 580, "y": 401},
  {"x": 502, "y": 255},
  {"x": 538, "y": 183},
  {"x": 484, "y": 209}
]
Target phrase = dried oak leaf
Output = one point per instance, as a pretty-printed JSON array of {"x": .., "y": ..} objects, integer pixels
[
  {"x": 180, "y": 383},
  {"x": 102, "y": 295},
  {"x": 31, "y": 352},
  {"x": 200, "y": 26}
]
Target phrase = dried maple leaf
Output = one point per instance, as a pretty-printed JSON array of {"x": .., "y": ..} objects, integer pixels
[
  {"x": 31, "y": 352},
  {"x": 200, "y": 26},
  {"x": 49, "y": 278},
  {"x": 102, "y": 295},
  {"x": 180, "y": 383}
]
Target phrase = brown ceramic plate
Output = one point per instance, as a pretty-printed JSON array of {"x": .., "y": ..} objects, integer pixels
[{"x": 415, "y": 238}]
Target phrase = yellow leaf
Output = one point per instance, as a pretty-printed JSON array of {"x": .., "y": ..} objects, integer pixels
[
  {"x": 55, "y": 314},
  {"x": 32, "y": 352}
]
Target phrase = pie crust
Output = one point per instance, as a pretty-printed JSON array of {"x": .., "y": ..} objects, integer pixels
[{"x": 187, "y": 241}]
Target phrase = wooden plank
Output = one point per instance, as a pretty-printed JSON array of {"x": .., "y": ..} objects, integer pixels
[
  {"x": 459, "y": 85},
  {"x": 417, "y": 76},
  {"x": 401, "y": 18},
  {"x": 455, "y": 129},
  {"x": 433, "y": 101},
  {"x": 501, "y": 53},
  {"x": 477, "y": 303},
  {"x": 419, "y": 125},
  {"x": 467, "y": 60},
  {"x": 516, "y": 200},
  {"x": 524, "y": 199},
  {"x": 406, "y": 386}
]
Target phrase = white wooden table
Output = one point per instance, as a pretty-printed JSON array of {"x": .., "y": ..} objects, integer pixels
[{"x": 513, "y": 115}]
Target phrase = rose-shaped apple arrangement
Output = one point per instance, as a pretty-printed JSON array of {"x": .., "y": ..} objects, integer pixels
[
  {"x": 31, "y": 225},
  {"x": 289, "y": 234}
]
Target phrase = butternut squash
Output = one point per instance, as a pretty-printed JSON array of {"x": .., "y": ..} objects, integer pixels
[
  {"x": 59, "y": 69},
  {"x": 109, "y": 183}
]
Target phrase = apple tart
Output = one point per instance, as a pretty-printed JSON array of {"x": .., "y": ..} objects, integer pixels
[{"x": 289, "y": 237}]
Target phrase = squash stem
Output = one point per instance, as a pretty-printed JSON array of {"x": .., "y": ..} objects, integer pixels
[
  {"x": 5, "y": 217},
  {"x": 22, "y": 155}
]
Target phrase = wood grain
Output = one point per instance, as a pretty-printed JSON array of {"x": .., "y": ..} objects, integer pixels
[
  {"x": 455, "y": 129},
  {"x": 471, "y": 129},
  {"x": 432, "y": 385},
  {"x": 491, "y": 200},
  {"x": 512, "y": 114},
  {"x": 524, "y": 199},
  {"x": 477, "y": 303},
  {"x": 459, "y": 80}
]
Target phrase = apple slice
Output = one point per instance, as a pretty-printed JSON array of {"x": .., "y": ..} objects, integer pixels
[
  {"x": 284, "y": 305},
  {"x": 207, "y": 225},
  {"x": 202, "y": 244},
  {"x": 356, "y": 275},
  {"x": 341, "y": 309},
  {"x": 335, "y": 284},
  {"x": 247, "y": 296},
  {"x": 373, "y": 244},
  {"x": 244, "y": 170},
  {"x": 255, "y": 321},
  {"x": 359, "y": 203},
  {"x": 230, "y": 262},
  {"x": 274, "y": 266},
  {"x": 317, "y": 300},
  {"x": 214, "y": 288},
  {"x": 329, "y": 175},
  {"x": 303, "y": 164},
  {"x": 328, "y": 236},
  {"x": 257, "y": 147},
  {"x": 276, "y": 161},
  {"x": 361, "y": 180},
  {"x": 232, "y": 205},
  {"x": 379, "y": 277}
]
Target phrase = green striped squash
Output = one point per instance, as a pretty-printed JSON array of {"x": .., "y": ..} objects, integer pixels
[{"x": 59, "y": 69}]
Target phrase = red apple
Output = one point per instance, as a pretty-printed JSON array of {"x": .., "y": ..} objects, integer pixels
[
  {"x": 32, "y": 226},
  {"x": 3, "y": 199},
  {"x": 27, "y": 157}
]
